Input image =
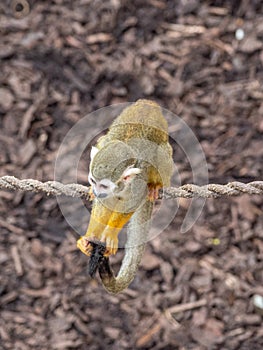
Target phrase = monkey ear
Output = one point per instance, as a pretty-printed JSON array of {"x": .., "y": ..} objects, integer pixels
[
  {"x": 93, "y": 152},
  {"x": 130, "y": 173}
]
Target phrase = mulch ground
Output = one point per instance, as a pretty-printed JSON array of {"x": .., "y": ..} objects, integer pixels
[{"x": 61, "y": 60}]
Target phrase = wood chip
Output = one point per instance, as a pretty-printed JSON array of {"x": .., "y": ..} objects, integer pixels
[
  {"x": 27, "y": 152},
  {"x": 250, "y": 45},
  {"x": 187, "y": 306},
  {"x": 143, "y": 340},
  {"x": 6, "y": 99},
  {"x": 98, "y": 38},
  {"x": 150, "y": 262},
  {"x": 17, "y": 260}
]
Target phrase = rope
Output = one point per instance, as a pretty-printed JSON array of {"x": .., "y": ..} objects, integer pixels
[{"x": 55, "y": 188}]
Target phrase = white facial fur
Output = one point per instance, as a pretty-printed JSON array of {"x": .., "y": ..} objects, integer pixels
[
  {"x": 101, "y": 188},
  {"x": 130, "y": 172},
  {"x": 104, "y": 187}
]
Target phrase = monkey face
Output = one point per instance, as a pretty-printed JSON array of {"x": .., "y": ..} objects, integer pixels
[
  {"x": 101, "y": 188},
  {"x": 105, "y": 187},
  {"x": 112, "y": 169}
]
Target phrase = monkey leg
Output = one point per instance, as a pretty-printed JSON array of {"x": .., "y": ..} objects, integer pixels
[
  {"x": 110, "y": 234},
  {"x": 100, "y": 216}
]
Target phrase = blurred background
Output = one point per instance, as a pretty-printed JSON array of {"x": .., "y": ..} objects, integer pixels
[{"x": 202, "y": 60}]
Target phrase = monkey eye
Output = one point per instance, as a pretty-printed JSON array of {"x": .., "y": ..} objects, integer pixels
[
  {"x": 105, "y": 187},
  {"x": 92, "y": 181}
]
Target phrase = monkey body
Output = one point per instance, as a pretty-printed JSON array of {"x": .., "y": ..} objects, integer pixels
[
  {"x": 143, "y": 127},
  {"x": 128, "y": 167}
]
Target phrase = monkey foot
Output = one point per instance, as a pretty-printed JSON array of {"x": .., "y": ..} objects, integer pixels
[{"x": 153, "y": 192}]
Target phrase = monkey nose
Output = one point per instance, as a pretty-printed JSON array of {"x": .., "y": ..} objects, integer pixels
[
  {"x": 98, "y": 194},
  {"x": 102, "y": 195}
]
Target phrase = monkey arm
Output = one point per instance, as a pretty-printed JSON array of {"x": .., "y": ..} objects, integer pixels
[
  {"x": 104, "y": 226},
  {"x": 136, "y": 238}
]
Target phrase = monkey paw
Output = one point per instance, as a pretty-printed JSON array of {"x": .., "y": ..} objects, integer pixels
[
  {"x": 153, "y": 192},
  {"x": 84, "y": 244},
  {"x": 91, "y": 194},
  {"x": 111, "y": 243}
]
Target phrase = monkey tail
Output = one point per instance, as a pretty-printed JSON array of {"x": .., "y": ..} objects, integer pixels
[{"x": 137, "y": 233}]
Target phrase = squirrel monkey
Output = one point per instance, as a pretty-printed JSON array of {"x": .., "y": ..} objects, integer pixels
[{"x": 128, "y": 167}]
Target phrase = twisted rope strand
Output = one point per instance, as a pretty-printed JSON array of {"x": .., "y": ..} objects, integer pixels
[{"x": 55, "y": 188}]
